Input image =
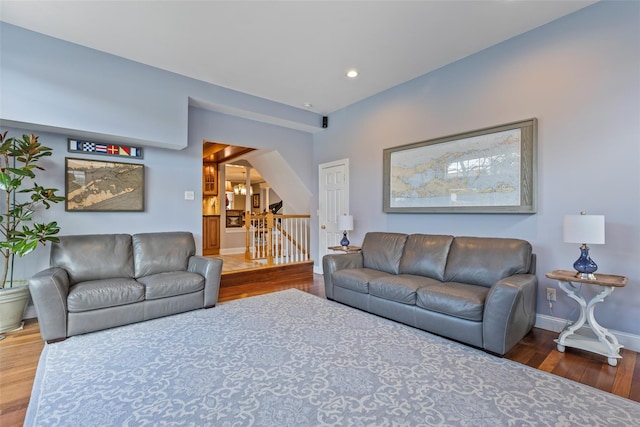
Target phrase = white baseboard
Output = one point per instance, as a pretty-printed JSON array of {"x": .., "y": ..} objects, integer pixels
[
  {"x": 557, "y": 324},
  {"x": 317, "y": 269}
]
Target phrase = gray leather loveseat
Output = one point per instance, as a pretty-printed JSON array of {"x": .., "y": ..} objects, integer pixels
[
  {"x": 480, "y": 291},
  {"x": 104, "y": 280}
]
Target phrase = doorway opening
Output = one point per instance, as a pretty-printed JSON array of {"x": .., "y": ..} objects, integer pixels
[{"x": 232, "y": 190}]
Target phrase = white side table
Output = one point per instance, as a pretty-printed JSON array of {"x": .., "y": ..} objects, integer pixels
[{"x": 605, "y": 343}]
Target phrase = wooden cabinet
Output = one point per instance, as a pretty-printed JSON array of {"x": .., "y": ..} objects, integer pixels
[
  {"x": 209, "y": 179},
  {"x": 210, "y": 235}
]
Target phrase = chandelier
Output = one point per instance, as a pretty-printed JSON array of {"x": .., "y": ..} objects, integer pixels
[{"x": 240, "y": 189}]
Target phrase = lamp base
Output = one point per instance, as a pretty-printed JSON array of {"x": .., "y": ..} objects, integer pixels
[
  {"x": 585, "y": 265},
  {"x": 344, "y": 242}
]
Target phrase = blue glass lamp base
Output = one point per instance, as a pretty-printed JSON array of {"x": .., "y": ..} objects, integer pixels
[
  {"x": 344, "y": 242},
  {"x": 585, "y": 265}
]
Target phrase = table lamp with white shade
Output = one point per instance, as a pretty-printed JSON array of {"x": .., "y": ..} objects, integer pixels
[
  {"x": 345, "y": 223},
  {"x": 584, "y": 229}
]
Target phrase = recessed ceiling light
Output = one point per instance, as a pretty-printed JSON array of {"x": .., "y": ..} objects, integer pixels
[
  {"x": 352, "y": 74},
  {"x": 307, "y": 105}
]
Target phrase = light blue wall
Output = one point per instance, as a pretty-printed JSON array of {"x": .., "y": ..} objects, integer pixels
[
  {"x": 59, "y": 90},
  {"x": 293, "y": 145},
  {"x": 51, "y": 83},
  {"x": 168, "y": 173},
  {"x": 580, "y": 76}
]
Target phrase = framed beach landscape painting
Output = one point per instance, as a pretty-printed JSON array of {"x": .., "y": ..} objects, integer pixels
[{"x": 491, "y": 170}]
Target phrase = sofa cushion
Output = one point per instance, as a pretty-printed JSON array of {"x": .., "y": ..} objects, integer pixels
[
  {"x": 485, "y": 260},
  {"x": 172, "y": 283},
  {"x": 356, "y": 279},
  {"x": 93, "y": 256},
  {"x": 454, "y": 299},
  {"x": 96, "y": 294},
  {"x": 401, "y": 288},
  {"x": 162, "y": 252},
  {"x": 425, "y": 255},
  {"x": 382, "y": 251}
]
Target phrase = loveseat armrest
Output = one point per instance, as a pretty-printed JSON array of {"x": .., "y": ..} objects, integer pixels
[
  {"x": 49, "y": 289},
  {"x": 211, "y": 270},
  {"x": 509, "y": 312},
  {"x": 335, "y": 262}
]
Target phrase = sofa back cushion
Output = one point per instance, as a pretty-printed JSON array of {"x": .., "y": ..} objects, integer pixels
[
  {"x": 382, "y": 251},
  {"x": 485, "y": 260},
  {"x": 426, "y": 255},
  {"x": 162, "y": 252},
  {"x": 93, "y": 256}
]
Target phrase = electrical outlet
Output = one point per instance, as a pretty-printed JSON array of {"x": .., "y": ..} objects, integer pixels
[{"x": 551, "y": 294}]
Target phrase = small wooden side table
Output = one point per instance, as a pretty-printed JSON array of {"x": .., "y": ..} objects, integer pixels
[
  {"x": 605, "y": 343},
  {"x": 348, "y": 249}
]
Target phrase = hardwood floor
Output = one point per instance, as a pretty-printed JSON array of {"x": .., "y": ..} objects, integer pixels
[
  {"x": 19, "y": 355},
  {"x": 20, "y": 352}
]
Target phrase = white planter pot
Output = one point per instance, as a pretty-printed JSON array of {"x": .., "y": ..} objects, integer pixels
[{"x": 12, "y": 304}]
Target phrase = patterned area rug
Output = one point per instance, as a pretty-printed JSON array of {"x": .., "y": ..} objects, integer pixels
[{"x": 294, "y": 359}]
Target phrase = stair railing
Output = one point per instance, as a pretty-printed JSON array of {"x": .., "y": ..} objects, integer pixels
[{"x": 278, "y": 238}]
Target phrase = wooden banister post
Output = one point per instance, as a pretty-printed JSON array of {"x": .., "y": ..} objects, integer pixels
[
  {"x": 270, "y": 224},
  {"x": 247, "y": 246}
]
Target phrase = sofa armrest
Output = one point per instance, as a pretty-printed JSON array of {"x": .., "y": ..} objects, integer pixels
[
  {"x": 49, "y": 289},
  {"x": 335, "y": 262},
  {"x": 211, "y": 270},
  {"x": 509, "y": 313}
]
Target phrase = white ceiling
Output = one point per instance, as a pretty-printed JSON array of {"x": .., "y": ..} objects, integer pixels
[{"x": 293, "y": 52}]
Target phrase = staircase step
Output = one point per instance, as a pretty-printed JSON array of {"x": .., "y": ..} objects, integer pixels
[{"x": 293, "y": 272}]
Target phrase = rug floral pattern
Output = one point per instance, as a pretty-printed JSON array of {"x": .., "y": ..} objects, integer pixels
[{"x": 293, "y": 359}]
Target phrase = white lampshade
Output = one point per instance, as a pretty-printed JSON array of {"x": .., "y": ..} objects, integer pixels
[
  {"x": 345, "y": 222},
  {"x": 584, "y": 229}
]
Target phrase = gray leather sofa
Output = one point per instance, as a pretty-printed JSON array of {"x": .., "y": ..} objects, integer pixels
[
  {"x": 480, "y": 291},
  {"x": 105, "y": 280}
]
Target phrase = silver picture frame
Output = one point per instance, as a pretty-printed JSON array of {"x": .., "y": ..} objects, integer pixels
[{"x": 490, "y": 170}]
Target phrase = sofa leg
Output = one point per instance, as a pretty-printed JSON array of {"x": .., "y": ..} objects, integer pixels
[
  {"x": 56, "y": 340},
  {"x": 209, "y": 306}
]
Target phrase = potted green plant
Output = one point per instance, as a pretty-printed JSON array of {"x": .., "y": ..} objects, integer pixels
[{"x": 18, "y": 234}]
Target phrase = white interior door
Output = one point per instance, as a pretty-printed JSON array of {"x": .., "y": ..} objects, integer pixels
[{"x": 334, "y": 201}]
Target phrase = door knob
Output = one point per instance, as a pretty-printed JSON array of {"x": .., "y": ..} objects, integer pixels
[{"x": 323, "y": 227}]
